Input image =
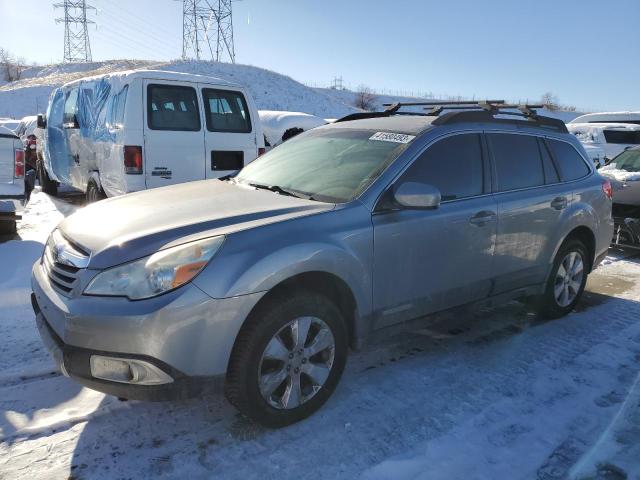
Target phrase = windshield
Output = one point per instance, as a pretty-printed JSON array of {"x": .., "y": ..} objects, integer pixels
[
  {"x": 329, "y": 165},
  {"x": 628, "y": 161}
]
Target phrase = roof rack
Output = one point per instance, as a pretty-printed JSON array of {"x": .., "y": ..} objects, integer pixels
[{"x": 467, "y": 111}]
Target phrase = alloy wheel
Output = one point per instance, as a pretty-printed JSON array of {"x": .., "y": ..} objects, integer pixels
[
  {"x": 296, "y": 362},
  {"x": 569, "y": 279}
]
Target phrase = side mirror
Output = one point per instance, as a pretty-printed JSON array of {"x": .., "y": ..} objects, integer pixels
[
  {"x": 417, "y": 195},
  {"x": 42, "y": 121}
]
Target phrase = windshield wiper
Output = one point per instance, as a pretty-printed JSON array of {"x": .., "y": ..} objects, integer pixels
[{"x": 282, "y": 191}]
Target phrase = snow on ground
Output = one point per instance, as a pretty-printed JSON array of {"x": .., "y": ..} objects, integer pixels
[
  {"x": 271, "y": 90},
  {"x": 481, "y": 394}
]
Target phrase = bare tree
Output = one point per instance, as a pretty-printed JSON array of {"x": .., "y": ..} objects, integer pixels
[
  {"x": 550, "y": 101},
  {"x": 365, "y": 98},
  {"x": 11, "y": 68}
]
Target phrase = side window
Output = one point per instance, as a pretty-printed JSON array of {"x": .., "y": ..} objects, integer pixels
[
  {"x": 570, "y": 163},
  {"x": 453, "y": 165},
  {"x": 172, "y": 107},
  {"x": 517, "y": 161},
  {"x": 70, "y": 106},
  {"x": 226, "y": 111},
  {"x": 550, "y": 172}
]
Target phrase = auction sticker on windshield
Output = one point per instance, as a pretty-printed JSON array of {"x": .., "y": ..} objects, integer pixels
[{"x": 392, "y": 137}]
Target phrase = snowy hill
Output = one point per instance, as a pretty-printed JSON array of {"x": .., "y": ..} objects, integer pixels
[{"x": 272, "y": 91}]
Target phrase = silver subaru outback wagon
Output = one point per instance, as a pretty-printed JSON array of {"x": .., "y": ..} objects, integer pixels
[{"x": 262, "y": 282}]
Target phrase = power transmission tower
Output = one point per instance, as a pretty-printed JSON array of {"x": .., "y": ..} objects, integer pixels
[
  {"x": 76, "y": 36},
  {"x": 207, "y": 28}
]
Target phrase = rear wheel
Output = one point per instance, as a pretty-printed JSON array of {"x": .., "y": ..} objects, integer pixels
[
  {"x": 94, "y": 192},
  {"x": 288, "y": 359},
  {"x": 50, "y": 187},
  {"x": 567, "y": 280}
]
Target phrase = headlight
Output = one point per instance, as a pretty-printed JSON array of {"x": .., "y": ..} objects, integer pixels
[{"x": 156, "y": 274}]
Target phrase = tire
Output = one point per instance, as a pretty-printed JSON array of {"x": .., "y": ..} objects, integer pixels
[
  {"x": 8, "y": 227},
  {"x": 551, "y": 305},
  {"x": 94, "y": 192},
  {"x": 252, "y": 365},
  {"x": 48, "y": 186}
]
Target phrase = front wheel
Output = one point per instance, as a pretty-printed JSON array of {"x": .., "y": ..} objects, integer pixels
[
  {"x": 567, "y": 280},
  {"x": 50, "y": 187},
  {"x": 288, "y": 359}
]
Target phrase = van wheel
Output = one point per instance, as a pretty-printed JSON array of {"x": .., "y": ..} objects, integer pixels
[
  {"x": 8, "y": 227},
  {"x": 94, "y": 192},
  {"x": 567, "y": 280},
  {"x": 288, "y": 359},
  {"x": 48, "y": 186}
]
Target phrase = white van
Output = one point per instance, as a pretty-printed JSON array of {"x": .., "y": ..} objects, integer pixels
[
  {"x": 118, "y": 133},
  {"x": 611, "y": 138}
]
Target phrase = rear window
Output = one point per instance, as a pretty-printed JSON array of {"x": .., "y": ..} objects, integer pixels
[
  {"x": 570, "y": 163},
  {"x": 629, "y": 137},
  {"x": 517, "y": 160},
  {"x": 173, "y": 107},
  {"x": 226, "y": 111}
]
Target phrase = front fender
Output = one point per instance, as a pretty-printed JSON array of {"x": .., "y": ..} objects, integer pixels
[{"x": 338, "y": 243}]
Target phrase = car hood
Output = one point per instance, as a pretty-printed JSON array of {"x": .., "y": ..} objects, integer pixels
[{"x": 125, "y": 228}]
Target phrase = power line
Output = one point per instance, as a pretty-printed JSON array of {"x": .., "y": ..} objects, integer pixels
[
  {"x": 76, "y": 36},
  {"x": 207, "y": 26}
]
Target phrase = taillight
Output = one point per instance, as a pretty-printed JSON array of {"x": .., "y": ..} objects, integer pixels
[
  {"x": 18, "y": 163},
  {"x": 607, "y": 189},
  {"x": 261, "y": 151},
  {"x": 133, "y": 160}
]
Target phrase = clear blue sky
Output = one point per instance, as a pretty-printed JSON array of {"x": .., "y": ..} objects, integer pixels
[{"x": 584, "y": 51}]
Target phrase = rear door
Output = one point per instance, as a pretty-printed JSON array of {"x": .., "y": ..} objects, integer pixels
[
  {"x": 531, "y": 200},
  {"x": 173, "y": 133},
  {"x": 230, "y": 137}
]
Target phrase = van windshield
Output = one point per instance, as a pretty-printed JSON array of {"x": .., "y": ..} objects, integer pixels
[{"x": 328, "y": 165}]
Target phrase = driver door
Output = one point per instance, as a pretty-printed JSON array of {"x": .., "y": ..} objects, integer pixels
[{"x": 429, "y": 260}]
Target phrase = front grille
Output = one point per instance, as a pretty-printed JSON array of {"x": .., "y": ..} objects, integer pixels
[{"x": 63, "y": 276}]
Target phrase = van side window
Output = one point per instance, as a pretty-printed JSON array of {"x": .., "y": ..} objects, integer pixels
[
  {"x": 550, "y": 172},
  {"x": 70, "y": 106},
  {"x": 226, "y": 111},
  {"x": 453, "y": 165},
  {"x": 172, "y": 107},
  {"x": 517, "y": 161},
  {"x": 571, "y": 165}
]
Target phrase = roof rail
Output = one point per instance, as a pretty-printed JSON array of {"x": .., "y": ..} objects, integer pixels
[{"x": 467, "y": 111}]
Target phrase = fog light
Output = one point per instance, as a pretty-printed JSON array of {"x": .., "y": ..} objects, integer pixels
[{"x": 126, "y": 370}]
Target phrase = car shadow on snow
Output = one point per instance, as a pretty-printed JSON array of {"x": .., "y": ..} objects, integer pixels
[{"x": 376, "y": 398}]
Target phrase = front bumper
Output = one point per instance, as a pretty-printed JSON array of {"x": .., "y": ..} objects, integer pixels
[{"x": 185, "y": 333}]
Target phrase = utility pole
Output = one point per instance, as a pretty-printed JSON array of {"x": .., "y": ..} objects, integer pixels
[
  {"x": 76, "y": 36},
  {"x": 207, "y": 30}
]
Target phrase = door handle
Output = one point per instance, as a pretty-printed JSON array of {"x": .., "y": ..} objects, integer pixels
[
  {"x": 482, "y": 217},
  {"x": 559, "y": 203}
]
